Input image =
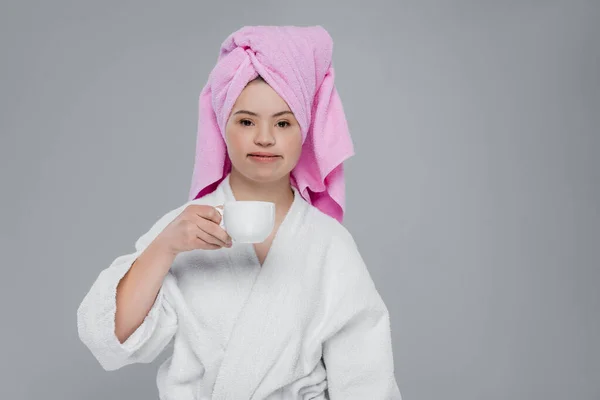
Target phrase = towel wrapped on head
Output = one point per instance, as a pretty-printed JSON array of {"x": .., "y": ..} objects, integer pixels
[{"x": 297, "y": 63}]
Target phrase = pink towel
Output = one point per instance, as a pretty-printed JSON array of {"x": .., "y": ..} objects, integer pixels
[{"x": 297, "y": 63}]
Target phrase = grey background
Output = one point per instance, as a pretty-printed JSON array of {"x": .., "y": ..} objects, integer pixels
[{"x": 474, "y": 195}]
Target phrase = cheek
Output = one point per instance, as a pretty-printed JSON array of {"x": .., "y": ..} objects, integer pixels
[
  {"x": 235, "y": 141},
  {"x": 294, "y": 145}
]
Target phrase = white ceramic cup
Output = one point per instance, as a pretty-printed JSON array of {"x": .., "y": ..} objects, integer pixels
[{"x": 248, "y": 221}]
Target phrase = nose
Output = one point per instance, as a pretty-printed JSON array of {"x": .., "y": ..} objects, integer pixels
[{"x": 264, "y": 137}]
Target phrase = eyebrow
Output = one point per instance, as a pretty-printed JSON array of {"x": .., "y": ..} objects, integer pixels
[{"x": 280, "y": 113}]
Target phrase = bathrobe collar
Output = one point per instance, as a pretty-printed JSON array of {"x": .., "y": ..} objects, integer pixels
[{"x": 266, "y": 320}]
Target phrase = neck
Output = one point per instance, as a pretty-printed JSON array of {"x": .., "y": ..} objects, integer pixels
[{"x": 278, "y": 192}]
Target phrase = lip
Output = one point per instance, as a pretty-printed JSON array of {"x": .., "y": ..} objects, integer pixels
[
  {"x": 263, "y": 154},
  {"x": 263, "y": 159}
]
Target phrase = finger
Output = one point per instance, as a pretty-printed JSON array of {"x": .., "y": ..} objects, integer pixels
[
  {"x": 204, "y": 211},
  {"x": 204, "y": 244},
  {"x": 218, "y": 232},
  {"x": 213, "y": 229},
  {"x": 211, "y": 214},
  {"x": 208, "y": 238}
]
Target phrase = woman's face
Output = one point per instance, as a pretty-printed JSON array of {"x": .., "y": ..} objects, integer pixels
[{"x": 261, "y": 122}]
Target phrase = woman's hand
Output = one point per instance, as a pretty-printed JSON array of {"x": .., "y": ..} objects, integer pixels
[{"x": 197, "y": 227}]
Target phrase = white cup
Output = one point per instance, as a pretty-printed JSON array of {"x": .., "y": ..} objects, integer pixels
[{"x": 248, "y": 221}]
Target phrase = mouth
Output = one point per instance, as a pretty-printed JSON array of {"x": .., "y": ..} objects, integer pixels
[{"x": 264, "y": 157}]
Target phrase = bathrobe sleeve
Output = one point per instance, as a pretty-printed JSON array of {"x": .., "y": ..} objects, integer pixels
[
  {"x": 357, "y": 351},
  {"x": 96, "y": 313}
]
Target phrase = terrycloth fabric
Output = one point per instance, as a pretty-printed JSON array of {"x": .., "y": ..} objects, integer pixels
[
  {"x": 297, "y": 63},
  {"x": 308, "y": 324}
]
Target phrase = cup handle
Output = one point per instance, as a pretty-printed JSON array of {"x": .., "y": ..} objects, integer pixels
[{"x": 222, "y": 224}]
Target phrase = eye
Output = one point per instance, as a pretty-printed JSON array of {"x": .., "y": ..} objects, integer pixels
[
  {"x": 286, "y": 124},
  {"x": 245, "y": 122}
]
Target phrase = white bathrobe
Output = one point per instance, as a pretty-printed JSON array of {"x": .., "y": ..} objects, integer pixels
[{"x": 308, "y": 324}]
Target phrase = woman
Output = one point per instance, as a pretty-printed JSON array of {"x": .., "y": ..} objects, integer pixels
[{"x": 295, "y": 317}]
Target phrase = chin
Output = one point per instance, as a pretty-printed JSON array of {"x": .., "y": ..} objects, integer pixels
[{"x": 264, "y": 175}]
